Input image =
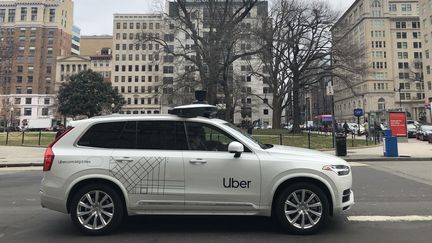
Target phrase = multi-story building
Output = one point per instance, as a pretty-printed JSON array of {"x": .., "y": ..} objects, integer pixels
[
  {"x": 39, "y": 31},
  {"x": 317, "y": 102},
  {"x": 137, "y": 67},
  {"x": 68, "y": 66},
  {"x": 94, "y": 45},
  {"x": 426, "y": 24},
  {"x": 76, "y": 40},
  {"x": 389, "y": 32},
  {"x": 256, "y": 95}
]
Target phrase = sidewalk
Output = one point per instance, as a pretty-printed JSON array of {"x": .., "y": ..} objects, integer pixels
[
  {"x": 12, "y": 156},
  {"x": 414, "y": 150}
]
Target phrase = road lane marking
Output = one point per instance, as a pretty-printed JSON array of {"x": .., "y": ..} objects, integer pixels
[
  {"x": 407, "y": 218},
  {"x": 356, "y": 164}
]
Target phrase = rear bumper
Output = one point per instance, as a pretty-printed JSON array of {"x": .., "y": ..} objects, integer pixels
[{"x": 52, "y": 203}]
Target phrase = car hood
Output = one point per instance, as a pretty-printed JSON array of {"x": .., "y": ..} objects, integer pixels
[{"x": 303, "y": 154}]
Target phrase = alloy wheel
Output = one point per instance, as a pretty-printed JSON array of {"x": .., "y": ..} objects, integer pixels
[
  {"x": 303, "y": 209},
  {"x": 95, "y": 210}
]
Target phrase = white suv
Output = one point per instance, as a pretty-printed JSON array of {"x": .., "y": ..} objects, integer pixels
[{"x": 106, "y": 168}]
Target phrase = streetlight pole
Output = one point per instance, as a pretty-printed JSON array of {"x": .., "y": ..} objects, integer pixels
[
  {"x": 11, "y": 114},
  {"x": 112, "y": 108}
]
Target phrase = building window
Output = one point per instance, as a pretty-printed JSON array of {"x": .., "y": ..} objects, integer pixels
[
  {"x": 27, "y": 111},
  {"x": 23, "y": 14},
  {"x": 52, "y": 13},
  {"x": 34, "y": 13},
  {"x": 400, "y": 25},
  {"x": 44, "y": 111},
  {"x": 28, "y": 101},
  {"x": 29, "y": 90},
  {"x": 381, "y": 104},
  {"x": 266, "y": 111}
]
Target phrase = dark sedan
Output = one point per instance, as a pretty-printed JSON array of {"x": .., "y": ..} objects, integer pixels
[
  {"x": 412, "y": 130},
  {"x": 424, "y": 132}
]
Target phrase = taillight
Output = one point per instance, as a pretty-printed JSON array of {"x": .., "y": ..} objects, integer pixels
[
  {"x": 49, "y": 154},
  {"x": 48, "y": 159}
]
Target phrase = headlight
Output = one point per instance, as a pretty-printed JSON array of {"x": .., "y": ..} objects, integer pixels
[{"x": 338, "y": 169}]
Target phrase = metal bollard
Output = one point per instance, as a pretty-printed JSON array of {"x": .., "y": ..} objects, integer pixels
[
  {"x": 40, "y": 135},
  {"x": 22, "y": 139}
]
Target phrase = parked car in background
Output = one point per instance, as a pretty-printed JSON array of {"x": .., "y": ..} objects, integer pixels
[
  {"x": 416, "y": 123},
  {"x": 412, "y": 130},
  {"x": 354, "y": 127},
  {"x": 424, "y": 132}
]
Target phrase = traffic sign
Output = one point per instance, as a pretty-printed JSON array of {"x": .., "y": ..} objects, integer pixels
[{"x": 358, "y": 112}]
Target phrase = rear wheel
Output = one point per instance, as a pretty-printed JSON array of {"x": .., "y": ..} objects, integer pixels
[
  {"x": 97, "y": 209},
  {"x": 302, "y": 208}
]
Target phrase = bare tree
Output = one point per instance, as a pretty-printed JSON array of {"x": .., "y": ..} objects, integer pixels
[
  {"x": 7, "y": 53},
  {"x": 299, "y": 49},
  {"x": 214, "y": 31}
]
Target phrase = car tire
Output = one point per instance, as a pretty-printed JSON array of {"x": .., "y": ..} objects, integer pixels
[
  {"x": 97, "y": 209},
  {"x": 304, "y": 215}
]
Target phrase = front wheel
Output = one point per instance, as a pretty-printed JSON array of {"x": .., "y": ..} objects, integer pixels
[
  {"x": 302, "y": 208},
  {"x": 97, "y": 209}
]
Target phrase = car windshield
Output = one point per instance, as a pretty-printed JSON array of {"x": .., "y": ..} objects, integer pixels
[{"x": 248, "y": 136}]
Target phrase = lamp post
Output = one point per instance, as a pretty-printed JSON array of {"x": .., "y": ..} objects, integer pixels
[
  {"x": 400, "y": 99},
  {"x": 11, "y": 114}
]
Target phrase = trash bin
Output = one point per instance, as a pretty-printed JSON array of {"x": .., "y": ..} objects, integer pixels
[
  {"x": 387, "y": 133},
  {"x": 390, "y": 147},
  {"x": 341, "y": 146}
]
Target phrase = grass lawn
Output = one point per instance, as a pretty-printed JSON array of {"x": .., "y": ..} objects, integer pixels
[
  {"x": 317, "y": 141},
  {"x": 30, "y": 138},
  {"x": 269, "y": 136}
]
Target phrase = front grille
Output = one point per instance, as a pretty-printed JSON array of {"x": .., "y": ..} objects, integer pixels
[{"x": 346, "y": 195}]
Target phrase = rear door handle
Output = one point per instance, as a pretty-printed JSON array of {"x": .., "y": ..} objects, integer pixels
[{"x": 198, "y": 161}]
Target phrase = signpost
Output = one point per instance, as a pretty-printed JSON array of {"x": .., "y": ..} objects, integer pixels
[{"x": 358, "y": 113}]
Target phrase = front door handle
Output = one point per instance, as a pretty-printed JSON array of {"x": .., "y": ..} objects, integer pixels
[
  {"x": 124, "y": 160},
  {"x": 198, "y": 161}
]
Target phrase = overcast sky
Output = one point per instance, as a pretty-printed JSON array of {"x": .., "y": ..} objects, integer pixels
[{"x": 95, "y": 17}]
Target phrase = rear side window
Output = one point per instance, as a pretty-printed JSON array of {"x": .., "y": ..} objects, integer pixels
[
  {"x": 104, "y": 135},
  {"x": 164, "y": 135},
  {"x": 156, "y": 135}
]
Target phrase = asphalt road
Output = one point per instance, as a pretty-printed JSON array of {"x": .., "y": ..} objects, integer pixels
[{"x": 387, "y": 189}]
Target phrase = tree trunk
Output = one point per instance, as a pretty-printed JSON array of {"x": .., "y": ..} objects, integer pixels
[
  {"x": 229, "y": 109},
  {"x": 296, "y": 106},
  {"x": 277, "y": 112}
]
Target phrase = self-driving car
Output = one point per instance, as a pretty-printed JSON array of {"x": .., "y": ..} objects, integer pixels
[{"x": 186, "y": 163}]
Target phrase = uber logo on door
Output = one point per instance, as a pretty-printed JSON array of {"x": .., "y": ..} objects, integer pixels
[{"x": 233, "y": 183}]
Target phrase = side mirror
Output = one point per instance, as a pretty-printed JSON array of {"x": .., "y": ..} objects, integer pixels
[{"x": 236, "y": 148}]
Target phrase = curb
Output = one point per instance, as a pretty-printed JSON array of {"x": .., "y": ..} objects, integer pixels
[{"x": 378, "y": 159}]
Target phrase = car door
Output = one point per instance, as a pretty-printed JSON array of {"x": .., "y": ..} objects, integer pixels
[
  {"x": 149, "y": 163},
  {"x": 215, "y": 180}
]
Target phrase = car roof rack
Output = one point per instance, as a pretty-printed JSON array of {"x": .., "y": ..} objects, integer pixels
[
  {"x": 194, "y": 110},
  {"x": 198, "y": 108}
]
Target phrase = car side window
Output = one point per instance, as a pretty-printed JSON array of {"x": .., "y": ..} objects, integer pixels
[
  {"x": 204, "y": 137},
  {"x": 103, "y": 135},
  {"x": 161, "y": 135}
]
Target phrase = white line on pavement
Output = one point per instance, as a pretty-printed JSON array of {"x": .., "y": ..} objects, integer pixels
[
  {"x": 356, "y": 164},
  {"x": 408, "y": 218}
]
